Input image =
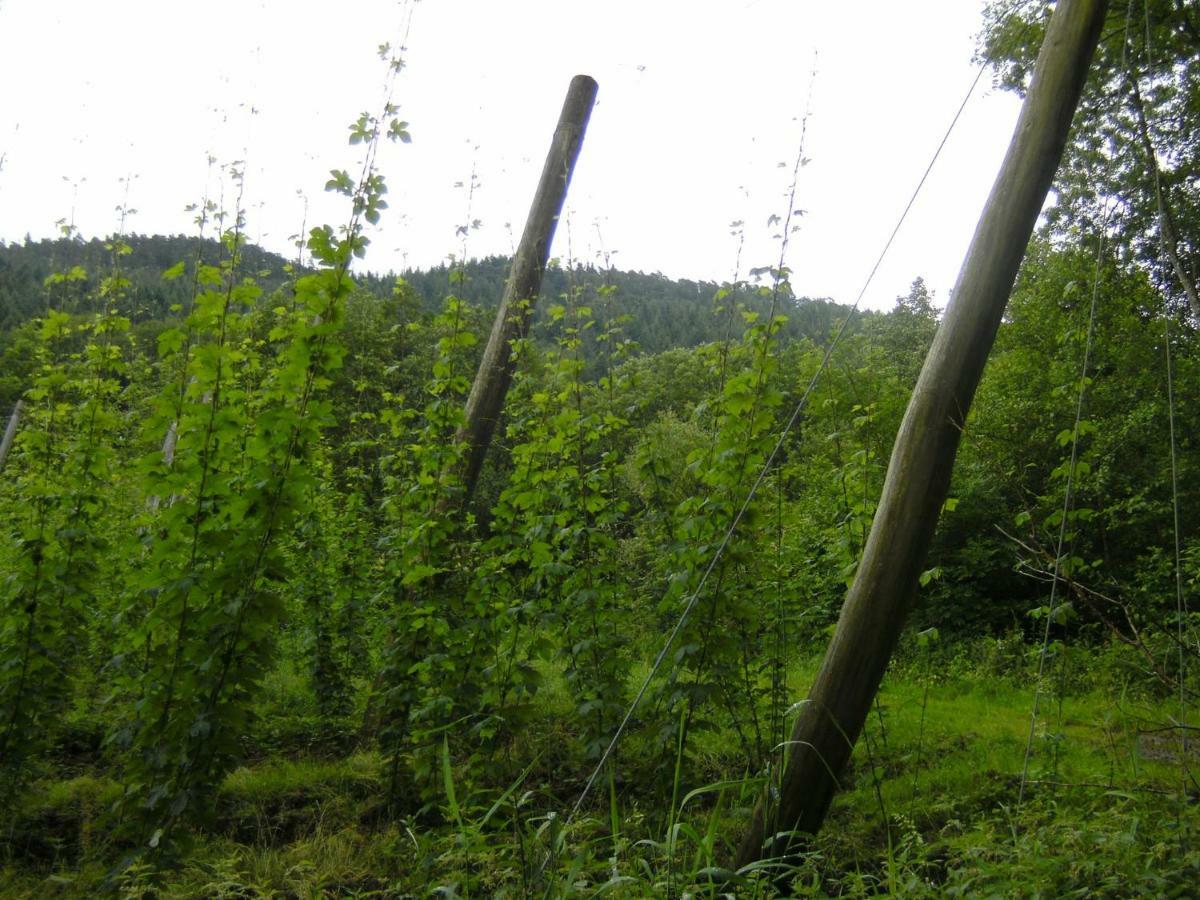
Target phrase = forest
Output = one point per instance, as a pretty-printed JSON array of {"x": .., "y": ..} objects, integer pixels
[{"x": 261, "y": 636}]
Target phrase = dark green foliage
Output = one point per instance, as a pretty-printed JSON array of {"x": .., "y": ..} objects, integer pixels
[
  {"x": 25, "y": 268},
  {"x": 233, "y": 531},
  {"x": 663, "y": 312},
  {"x": 719, "y": 653},
  {"x": 203, "y": 635},
  {"x": 54, "y": 541},
  {"x": 431, "y": 631},
  {"x": 556, "y": 530},
  {"x": 1145, "y": 70},
  {"x": 312, "y": 491}
]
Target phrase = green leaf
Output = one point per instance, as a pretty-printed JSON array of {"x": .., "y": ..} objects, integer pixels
[
  {"x": 398, "y": 131},
  {"x": 170, "y": 341},
  {"x": 448, "y": 782}
]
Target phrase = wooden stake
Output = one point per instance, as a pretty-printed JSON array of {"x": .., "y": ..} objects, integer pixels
[
  {"x": 486, "y": 401},
  {"x": 168, "y": 452},
  {"x": 10, "y": 433},
  {"x": 918, "y": 477}
]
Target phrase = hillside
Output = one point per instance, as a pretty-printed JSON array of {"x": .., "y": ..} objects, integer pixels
[{"x": 665, "y": 312}]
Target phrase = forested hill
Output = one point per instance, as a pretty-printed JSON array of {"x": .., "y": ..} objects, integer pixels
[
  {"x": 664, "y": 312},
  {"x": 24, "y": 268}
]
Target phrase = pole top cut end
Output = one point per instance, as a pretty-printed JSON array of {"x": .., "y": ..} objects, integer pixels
[{"x": 584, "y": 82}]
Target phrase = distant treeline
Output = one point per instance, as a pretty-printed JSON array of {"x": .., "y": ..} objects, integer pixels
[{"x": 665, "y": 312}]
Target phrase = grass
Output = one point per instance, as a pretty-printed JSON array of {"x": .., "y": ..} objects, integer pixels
[{"x": 929, "y": 806}]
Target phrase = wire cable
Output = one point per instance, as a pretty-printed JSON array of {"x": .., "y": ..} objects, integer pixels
[
  {"x": 1066, "y": 510},
  {"x": 1182, "y": 613},
  {"x": 766, "y": 467}
]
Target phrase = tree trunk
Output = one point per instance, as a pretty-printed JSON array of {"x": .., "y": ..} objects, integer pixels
[
  {"x": 486, "y": 400},
  {"x": 918, "y": 476},
  {"x": 1166, "y": 223}
]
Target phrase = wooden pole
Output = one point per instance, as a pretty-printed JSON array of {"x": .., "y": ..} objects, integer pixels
[
  {"x": 486, "y": 400},
  {"x": 10, "y": 433},
  {"x": 168, "y": 452},
  {"x": 918, "y": 477}
]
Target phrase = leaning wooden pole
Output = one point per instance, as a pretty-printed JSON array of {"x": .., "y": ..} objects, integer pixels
[
  {"x": 918, "y": 476},
  {"x": 10, "y": 433},
  {"x": 486, "y": 400}
]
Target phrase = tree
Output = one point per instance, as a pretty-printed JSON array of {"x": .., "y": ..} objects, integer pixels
[
  {"x": 906, "y": 332},
  {"x": 1136, "y": 138}
]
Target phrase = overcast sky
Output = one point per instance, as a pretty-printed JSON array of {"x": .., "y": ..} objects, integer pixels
[{"x": 699, "y": 104}]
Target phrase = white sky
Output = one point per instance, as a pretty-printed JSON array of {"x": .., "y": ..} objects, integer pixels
[{"x": 699, "y": 102}]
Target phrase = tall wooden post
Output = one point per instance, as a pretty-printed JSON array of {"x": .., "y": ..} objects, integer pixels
[
  {"x": 168, "y": 451},
  {"x": 10, "y": 433},
  {"x": 918, "y": 476},
  {"x": 486, "y": 400}
]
